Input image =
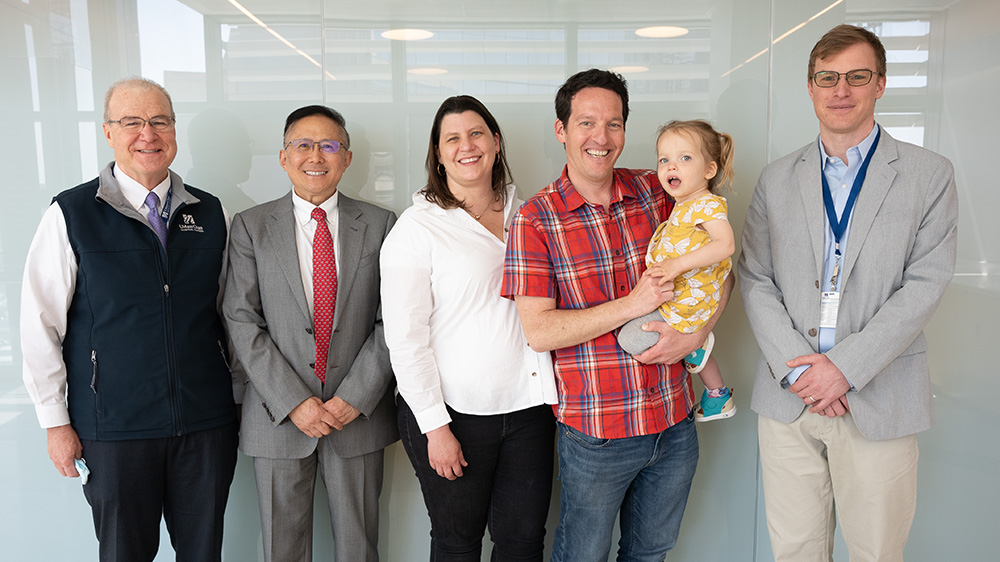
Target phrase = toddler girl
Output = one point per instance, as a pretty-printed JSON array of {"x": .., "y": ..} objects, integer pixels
[{"x": 694, "y": 248}]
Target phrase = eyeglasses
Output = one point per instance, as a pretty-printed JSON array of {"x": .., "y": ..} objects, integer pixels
[
  {"x": 160, "y": 123},
  {"x": 829, "y": 78},
  {"x": 306, "y": 145}
]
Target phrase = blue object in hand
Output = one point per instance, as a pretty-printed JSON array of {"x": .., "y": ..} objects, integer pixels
[{"x": 81, "y": 467}]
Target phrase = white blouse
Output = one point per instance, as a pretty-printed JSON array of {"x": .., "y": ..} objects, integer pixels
[{"x": 452, "y": 338}]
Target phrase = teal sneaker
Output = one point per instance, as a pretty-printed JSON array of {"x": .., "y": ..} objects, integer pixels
[
  {"x": 695, "y": 362},
  {"x": 718, "y": 408}
]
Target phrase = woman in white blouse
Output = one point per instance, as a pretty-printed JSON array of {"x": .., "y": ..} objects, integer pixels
[{"x": 474, "y": 411}]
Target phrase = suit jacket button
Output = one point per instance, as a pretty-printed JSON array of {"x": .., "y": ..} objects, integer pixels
[
  {"x": 817, "y": 283},
  {"x": 313, "y": 365},
  {"x": 812, "y": 332},
  {"x": 310, "y": 330}
]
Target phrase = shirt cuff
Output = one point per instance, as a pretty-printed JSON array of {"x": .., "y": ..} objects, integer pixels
[
  {"x": 52, "y": 415},
  {"x": 432, "y": 418},
  {"x": 793, "y": 376},
  {"x": 239, "y": 389}
]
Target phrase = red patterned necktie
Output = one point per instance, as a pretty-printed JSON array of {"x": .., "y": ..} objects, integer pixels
[{"x": 324, "y": 290}]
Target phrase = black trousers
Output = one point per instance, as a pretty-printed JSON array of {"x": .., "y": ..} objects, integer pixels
[
  {"x": 506, "y": 487},
  {"x": 185, "y": 478}
]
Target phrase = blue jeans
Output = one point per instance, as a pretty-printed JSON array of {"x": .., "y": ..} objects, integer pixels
[
  {"x": 647, "y": 478},
  {"x": 507, "y": 485}
]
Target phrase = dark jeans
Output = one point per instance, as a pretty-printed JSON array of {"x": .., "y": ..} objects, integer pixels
[
  {"x": 507, "y": 485},
  {"x": 184, "y": 479},
  {"x": 644, "y": 481}
]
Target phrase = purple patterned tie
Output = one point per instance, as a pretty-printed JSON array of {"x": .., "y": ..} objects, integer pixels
[{"x": 152, "y": 201}]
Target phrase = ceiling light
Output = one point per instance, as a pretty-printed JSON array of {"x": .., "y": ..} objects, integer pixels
[
  {"x": 661, "y": 31},
  {"x": 407, "y": 34},
  {"x": 629, "y": 69},
  {"x": 427, "y": 71}
]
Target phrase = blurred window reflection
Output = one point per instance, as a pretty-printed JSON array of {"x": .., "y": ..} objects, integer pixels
[
  {"x": 903, "y": 108},
  {"x": 657, "y": 69},
  {"x": 257, "y": 66}
]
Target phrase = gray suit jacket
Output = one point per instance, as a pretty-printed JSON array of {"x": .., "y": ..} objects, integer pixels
[
  {"x": 271, "y": 329},
  {"x": 899, "y": 259}
]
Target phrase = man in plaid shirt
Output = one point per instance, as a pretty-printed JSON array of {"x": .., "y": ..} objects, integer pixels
[{"x": 575, "y": 266}]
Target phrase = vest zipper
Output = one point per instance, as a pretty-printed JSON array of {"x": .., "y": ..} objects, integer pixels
[
  {"x": 93, "y": 382},
  {"x": 93, "y": 378},
  {"x": 225, "y": 360},
  {"x": 175, "y": 407}
]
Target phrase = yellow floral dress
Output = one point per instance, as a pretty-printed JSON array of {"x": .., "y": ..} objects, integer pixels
[{"x": 696, "y": 292}]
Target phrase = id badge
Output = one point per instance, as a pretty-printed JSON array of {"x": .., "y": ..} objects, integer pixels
[{"x": 828, "y": 309}]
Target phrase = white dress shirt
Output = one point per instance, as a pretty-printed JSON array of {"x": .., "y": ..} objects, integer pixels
[
  {"x": 47, "y": 292},
  {"x": 452, "y": 338},
  {"x": 305, "y": 231}
]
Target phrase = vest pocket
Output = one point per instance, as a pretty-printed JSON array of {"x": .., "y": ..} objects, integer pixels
[{"x": 93, "y": 382}]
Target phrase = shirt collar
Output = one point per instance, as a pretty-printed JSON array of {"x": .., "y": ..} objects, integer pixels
[
  {"x": 619, "y": 190},
  {"x": 135, "y": 192},
  {"x": 857, "y": 152},
  {"x": 303, "y": 209}
]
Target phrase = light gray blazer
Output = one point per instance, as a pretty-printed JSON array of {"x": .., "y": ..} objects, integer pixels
[
  {"x": 272, "y": 331},
  {"x": 899, "y": 259}
]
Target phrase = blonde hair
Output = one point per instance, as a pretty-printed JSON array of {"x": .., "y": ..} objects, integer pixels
[{"x": 717, "y": 147}]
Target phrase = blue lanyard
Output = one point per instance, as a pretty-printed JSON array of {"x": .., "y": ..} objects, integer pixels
[
  {"x": 165, "y": 213},
  {"x": 838, "y": 227}
]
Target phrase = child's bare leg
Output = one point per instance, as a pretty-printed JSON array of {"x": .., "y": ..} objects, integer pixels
[{"x": 711, "y": 375}]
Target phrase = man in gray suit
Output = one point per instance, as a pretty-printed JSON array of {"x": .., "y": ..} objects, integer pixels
[
  {"x": 848, "y": 246},
  {"x": 302, "y": 306}
]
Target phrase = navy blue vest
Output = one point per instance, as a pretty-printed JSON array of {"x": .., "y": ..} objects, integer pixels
[{"x": 144, "y": 347}]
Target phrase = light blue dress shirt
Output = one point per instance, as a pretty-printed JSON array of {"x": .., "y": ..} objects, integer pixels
[{"x": 840, "y": 177}]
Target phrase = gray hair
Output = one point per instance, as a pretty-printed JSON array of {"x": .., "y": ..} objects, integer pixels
[{"x": 140, "y": 84}]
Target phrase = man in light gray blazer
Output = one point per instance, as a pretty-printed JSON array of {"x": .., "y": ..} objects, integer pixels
[
  {"x": 320, "y": 394},
  {"x": 838, "y": 292}
]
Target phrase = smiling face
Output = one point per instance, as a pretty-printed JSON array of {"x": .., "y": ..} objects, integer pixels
[
  {"x": 314, "y": 173},
  {"x": 682, "y": 167},
  {"x": 594, "y": 136},
  {"x": 467, "y": 150},
  {"x": 144, "y": 155},
  {"x": 847, "y": 113}
]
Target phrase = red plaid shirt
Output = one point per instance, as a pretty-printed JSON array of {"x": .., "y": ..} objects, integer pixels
[{"x": 564, "y": 248}]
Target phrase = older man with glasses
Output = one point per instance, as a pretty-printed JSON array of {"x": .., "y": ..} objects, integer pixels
[
  {"x": 304, "y": 310},
  {"x": 125, "y": 356},
  {"x": 848, "y": 246}
]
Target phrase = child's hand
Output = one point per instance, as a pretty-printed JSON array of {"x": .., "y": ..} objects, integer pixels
[
  {"x": 648, "y": 294},
  {"x": 666, "y": 270}
]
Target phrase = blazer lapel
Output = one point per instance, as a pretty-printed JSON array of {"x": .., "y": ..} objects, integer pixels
[
  {"x": 873, "y": 193},
  {"x": 352, "y": 236},
  {"x": 811, "y": 191},
  {"x": 281, "y": 229}
]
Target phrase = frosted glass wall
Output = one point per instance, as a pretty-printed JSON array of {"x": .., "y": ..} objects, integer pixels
[{"x": 236, "y": 69}]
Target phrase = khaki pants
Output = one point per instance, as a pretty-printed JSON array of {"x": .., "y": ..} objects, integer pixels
[{"x": 815, "y": 465}]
